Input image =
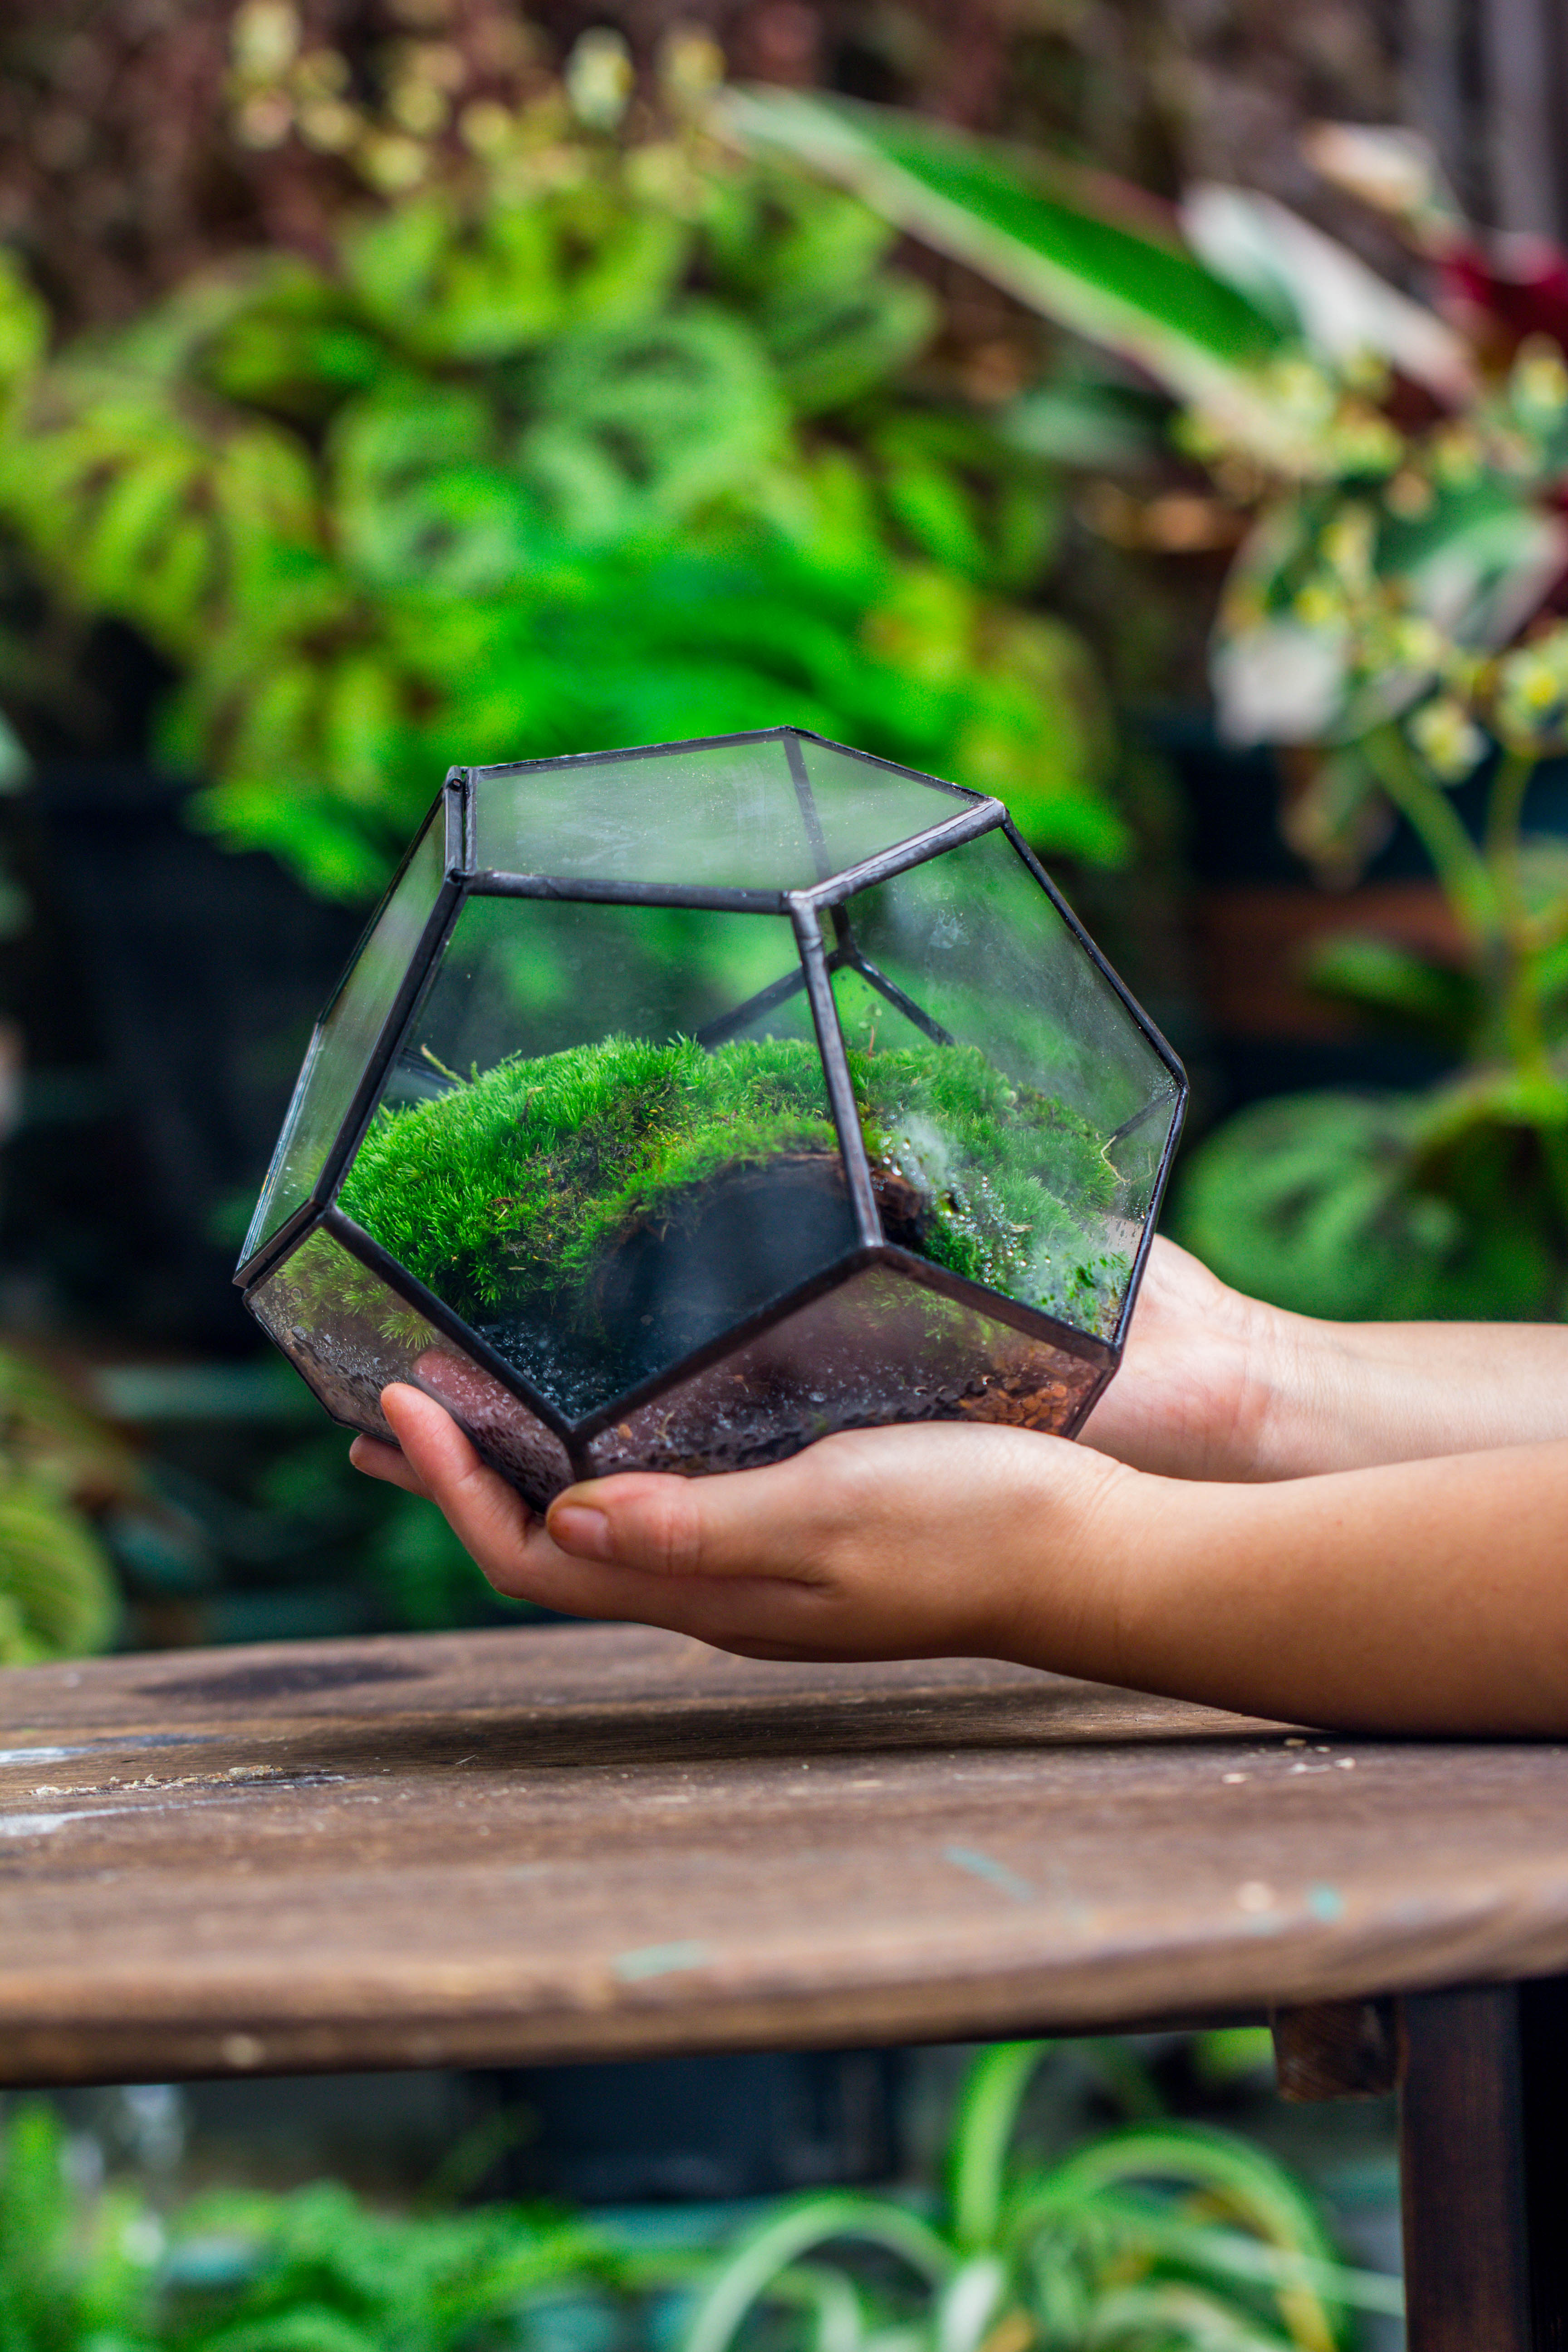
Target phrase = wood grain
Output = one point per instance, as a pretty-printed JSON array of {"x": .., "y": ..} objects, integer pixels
[
  {"x": 581, "y": 1842},
  {"x": 1462, "y": 2173}
]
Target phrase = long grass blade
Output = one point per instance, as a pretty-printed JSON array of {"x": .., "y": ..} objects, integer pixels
[
  {"x": 983, "y": 2131},
  {"x": 1217, "y": 2172},
  {"x": 745, "y": 2276}
]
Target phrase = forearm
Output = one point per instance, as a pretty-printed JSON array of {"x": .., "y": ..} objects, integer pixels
[
  {"x": 1218, "y": 1386},
  {"x": 1427, "y": 1596},
  {"x": 1350, "y": 1396}
]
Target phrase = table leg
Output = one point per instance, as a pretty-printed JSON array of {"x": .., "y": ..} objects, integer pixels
[{"x": 1484, "y": 2168}]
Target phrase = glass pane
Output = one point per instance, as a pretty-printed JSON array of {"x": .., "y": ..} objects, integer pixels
[
  {"x": 878, "y": 1348},
  {"x": 349, "y": 1337},
  {"x": 1014, "y": 1113},
  {"x": 726, "y": 816},
  {"x": 863, "y": 808},
  {"x": 607, "y": 1139},
  {"x": 346, "y": 1035}
]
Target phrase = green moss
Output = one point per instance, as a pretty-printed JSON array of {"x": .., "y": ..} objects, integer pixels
[{"x": 510, "y": 1193}]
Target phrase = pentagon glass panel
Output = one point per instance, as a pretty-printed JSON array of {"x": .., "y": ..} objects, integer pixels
[
  {"x": 606, "y": 1139},
  {"x": 878, "y": 1348},
  {"x": 863, "y": 807},
  {"x": 753, "y": 814},
  {"x": 350, "y": 1336},
  {"x": 345, "y": 1036},
  {"x": 1015, "y": 1114}
]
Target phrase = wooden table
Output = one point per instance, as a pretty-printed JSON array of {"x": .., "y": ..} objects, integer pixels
[{"x": 585, "y": 1842}]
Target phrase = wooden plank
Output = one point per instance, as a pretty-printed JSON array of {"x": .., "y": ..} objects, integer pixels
[
  {"x": 1461, "y": 2171},
  {"x": 1484, "y": 2168},
  {"x": 1519, "y": 45},
  {"x": 590, "y": 1842},
  {"x": 1543, "y": 2081}
]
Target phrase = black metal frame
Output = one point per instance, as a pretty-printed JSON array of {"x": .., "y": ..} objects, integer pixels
[{"x": 455, "y": 809}]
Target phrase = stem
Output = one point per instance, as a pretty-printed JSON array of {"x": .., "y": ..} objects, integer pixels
[
  {"x": 1504, "y": 810},
  {"x": 1524, "y": 1027},
  {"x": 1485, "y": 890},
  {"x": 1519, "y": 989},
  {"x": 1461, "y": 870}
]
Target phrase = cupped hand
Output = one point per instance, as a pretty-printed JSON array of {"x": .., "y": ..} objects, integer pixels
[{"x": 940, "y": 1540}]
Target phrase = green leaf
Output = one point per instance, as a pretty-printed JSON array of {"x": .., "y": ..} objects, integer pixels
[
  {"x": 746, "y": 2275},
  {"x": 631, "y": 270},
  {"x": 449, "y": 287},
  {"x": 296, "y": 346},
  {"x": 392, "y": 260},
  {"x": 830, "y": 348},
  {"x": 1250, "y": 2188},
  {"x": 777, "y": 237},
  {"x": 1375, "y": 976},
  {"x": 1135, "y": 292},
  {"x": 983, "y": 2132},
  {"x": 1103, "y": 426},
  {"x": 24, "y": 324},
  {"x": 57, "y": 1595},
  {"x": 1321, "y": 1204},
  {"x": 640, "y": 425}
]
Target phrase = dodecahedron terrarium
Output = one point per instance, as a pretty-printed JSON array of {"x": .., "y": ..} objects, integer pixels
[{"x": 682, "y": 1106}]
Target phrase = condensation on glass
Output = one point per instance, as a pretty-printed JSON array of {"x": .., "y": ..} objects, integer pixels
[{"x": 684, "y": 1106}]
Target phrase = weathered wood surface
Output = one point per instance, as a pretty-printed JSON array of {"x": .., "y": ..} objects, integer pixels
[{"x": 587, "y": 1842}]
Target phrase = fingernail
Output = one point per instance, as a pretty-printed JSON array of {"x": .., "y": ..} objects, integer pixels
[{"x": 579, "y": 1530}]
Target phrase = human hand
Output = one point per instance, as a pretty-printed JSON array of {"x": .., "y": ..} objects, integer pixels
[
  {"x": 1425, "y": 1596},
  {"x": 940, "y": 1539},
  {"x": 1211, "y": 1383},
  {"x": 1214, "y": 1385}
]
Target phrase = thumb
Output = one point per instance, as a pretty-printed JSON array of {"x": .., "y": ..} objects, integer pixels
[{"x": 743, "y": 1523}]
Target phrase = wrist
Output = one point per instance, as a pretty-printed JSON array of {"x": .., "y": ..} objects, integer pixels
[
  {"x": 1292, "y": 1391},
  {"x": 1215, "y": 1385},
  {"x": 1078, "y": 1535}
]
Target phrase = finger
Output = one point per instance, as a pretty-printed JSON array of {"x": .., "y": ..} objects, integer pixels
[
  {"x": 489, "y": 1517},
  {"x": 757, "y": 1613},
  {"x": 379, "y": 1460},
  {"x": 769, "y": 1523}
]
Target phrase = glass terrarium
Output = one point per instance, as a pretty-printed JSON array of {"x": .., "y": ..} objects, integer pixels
[{"x": 682, "y": 1106}]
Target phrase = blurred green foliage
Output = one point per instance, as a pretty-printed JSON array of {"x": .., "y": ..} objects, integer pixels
[
  {"x": 1093, "y": 254},
  {"x": 58, "y": 1467},
  {"x": 1392, "y": 611},
  {"x": 1158, "y": 2234},
  {"x": 1396, "y": 617},
  {"x": 316, "y": 2271},
  {"x": 585, "y": 451}
]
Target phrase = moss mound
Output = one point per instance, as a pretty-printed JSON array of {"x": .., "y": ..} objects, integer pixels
[{"x": 523, "y": 1191}]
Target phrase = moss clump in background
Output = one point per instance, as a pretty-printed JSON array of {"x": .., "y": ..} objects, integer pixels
[{"x": 513, "y": 1192}]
